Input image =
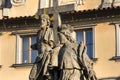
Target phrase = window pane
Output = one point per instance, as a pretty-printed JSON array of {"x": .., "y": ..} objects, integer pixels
[
  {"x": 79, "y": 37},
  {"x": 25, "y": 48},
  {"x": 89, "y": 37},
  {"x": 34, "y": 52},
  {"x": 90, "y": 51},
  {"x": 89, "y": 43}
]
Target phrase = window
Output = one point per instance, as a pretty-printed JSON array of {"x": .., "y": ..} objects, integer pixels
[
  {"x": 24, "y": 53},
  {"x": 86, "y": 35},
  {"x": 117, "y": 39}
]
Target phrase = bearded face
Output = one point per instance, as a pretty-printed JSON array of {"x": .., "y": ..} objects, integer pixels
[{"x": 43, "y": 23}]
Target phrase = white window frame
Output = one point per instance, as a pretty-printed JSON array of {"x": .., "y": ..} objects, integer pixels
[
  {"x": 117, "y": 30},
  {"x": 18, "y": 46},
  {"x": 89, "y": 26}
]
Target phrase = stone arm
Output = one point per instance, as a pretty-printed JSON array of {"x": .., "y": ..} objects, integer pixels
[
  {"x": 86, "y": 63},
  {"x": 35, "y": 46}
]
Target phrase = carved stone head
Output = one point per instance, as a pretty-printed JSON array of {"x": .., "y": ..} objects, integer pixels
[
  {"x": 67, "y": 30},
  {"x": 45, "y": 22}
]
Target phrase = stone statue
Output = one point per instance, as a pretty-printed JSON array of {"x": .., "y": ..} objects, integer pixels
[
  {"x": 105, "y": 4},
  {"x": 86, "y": 63},
  {"x": 44, "y": 46},
  {"x": 68, "y": 57},
  {"x": 116, "y": 3},
  {"x": 73, "y": 62},
  {"x": 66, "y": 60}
]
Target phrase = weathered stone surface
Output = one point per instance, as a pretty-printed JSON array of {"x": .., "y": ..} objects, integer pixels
[
  {"x": 66, "y": 60},
  {"x": 44, "y": 46},
  {"x": 105, "y": 4},
  {"x": 116, "y": 3},
  {"x": 55, "y": 10}
]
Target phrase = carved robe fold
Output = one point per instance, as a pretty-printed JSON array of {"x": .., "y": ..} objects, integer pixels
[{"x": 40, "y": 68}]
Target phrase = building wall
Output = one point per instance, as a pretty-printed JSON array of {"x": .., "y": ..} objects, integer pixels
[
  {"x": 27, "y": 9},
  {"x": 7, "y": 59},
  {"x": 94, "y": 4},
  {"x": 105, "y": 45},
  {"x": 105, "y": 50}
]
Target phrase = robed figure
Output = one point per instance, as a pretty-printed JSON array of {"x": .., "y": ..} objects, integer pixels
[
  {"x": 44, "y": 46},
  {"x": 73, "y": 62},
  {"x": 66, "y": 60}
]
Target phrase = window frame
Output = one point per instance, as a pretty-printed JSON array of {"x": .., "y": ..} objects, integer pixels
[
  {"x": 89, "y": 26},
  {"x": 19, "y": 46},
  {"x": 117, "y": 41},
  {"x": 117, "y": 30}
]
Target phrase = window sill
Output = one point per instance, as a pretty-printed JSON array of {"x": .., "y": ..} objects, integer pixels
[
  {"x": 22, "y": 65},
  {"x": 94, "y": 59},
  {"x": 116, "y": 58}
]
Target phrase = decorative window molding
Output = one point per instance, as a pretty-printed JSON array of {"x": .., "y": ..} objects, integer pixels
[
  {"x": 80, "y": 2},
  {"x": 25, "y": 32},
  {"x": 116, "y": 58},
  {"x": 18, "y": 2},
  {"x": 91, "y": 29},
  {"x": 21, "y": 65}
]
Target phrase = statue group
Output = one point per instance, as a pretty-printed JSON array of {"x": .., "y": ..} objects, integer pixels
[{"x": 66, "y": 60}]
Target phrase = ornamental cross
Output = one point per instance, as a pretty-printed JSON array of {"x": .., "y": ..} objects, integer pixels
[{"x": 55, "y": 10}]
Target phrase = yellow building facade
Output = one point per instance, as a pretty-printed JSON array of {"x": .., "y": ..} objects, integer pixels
[{"x": 98, "y": 29}]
